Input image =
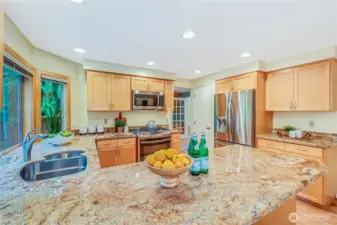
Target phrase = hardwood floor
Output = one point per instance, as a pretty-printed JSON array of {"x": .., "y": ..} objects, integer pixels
[{"x": 311, "y": 215}]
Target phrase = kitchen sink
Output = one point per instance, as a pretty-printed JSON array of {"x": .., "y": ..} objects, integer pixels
[{"x": 54, "y": 165}]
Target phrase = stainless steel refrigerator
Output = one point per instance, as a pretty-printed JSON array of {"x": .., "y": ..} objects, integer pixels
[{"x": 235, "y": 118}]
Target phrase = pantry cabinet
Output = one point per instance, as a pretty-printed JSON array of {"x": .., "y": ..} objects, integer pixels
[
  {"x": 309, "y": 87},
  {"x": 108, "y": 92},
  {"x": 168, "y": 96},
  {"x": 147, "y": 84}
]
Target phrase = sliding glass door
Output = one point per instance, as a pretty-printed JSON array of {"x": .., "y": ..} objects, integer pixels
[{"x": 11, "y": 113}]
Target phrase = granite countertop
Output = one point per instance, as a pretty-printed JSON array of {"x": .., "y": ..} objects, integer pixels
[
  {"x": 113, "y": 136},
  {"x": 242, "y": 186},
  {"x": 326, "y": 141}
]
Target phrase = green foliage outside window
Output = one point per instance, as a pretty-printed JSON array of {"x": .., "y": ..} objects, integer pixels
[{"x": 51, "y": 106}]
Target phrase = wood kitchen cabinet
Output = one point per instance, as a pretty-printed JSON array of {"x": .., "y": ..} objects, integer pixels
[
  {"x": 176, "y": 141},
  {"x": 139, "y": 83},
  {"x": 156, "y": 85},
  {"x": 116, "y": 152},
  {"x": 280, "y": 90},
  {"x": 244, "y": 82},
  {"x": 311, "y": 87},
  {"x": 224, "y": 85},
  {"x": 108, "y": 92},
  {"x": 323, "y": 190},
  {"x": 99, "y": 94},
  {"x": 169, "y": 96},
  {"x": 121, "y": 93},
  {"x": 147, "y": 84}
]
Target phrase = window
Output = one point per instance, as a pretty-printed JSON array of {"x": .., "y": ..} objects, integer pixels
[
  {"x": 55, "y": 106},
  {"x": 15, "y": 86},
  {"x": 52, "y": 106}
]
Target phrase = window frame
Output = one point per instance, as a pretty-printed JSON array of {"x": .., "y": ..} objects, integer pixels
[{"x": 37, "y": 96}]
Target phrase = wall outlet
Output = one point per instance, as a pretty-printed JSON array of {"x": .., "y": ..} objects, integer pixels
[
  {"x": 105, "y": 120},
  {"x": 311, "y": 123}
]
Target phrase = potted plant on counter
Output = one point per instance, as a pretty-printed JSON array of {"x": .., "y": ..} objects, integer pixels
[{"x": 120, "y": 126}]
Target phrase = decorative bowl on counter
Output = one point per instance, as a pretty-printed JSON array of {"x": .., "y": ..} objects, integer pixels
[
  {"x": 61, "y": 140},
  {"x": 169, "y": 178}
]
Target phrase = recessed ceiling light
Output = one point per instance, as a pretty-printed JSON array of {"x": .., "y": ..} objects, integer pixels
[
  {"x": 245, "y": 54},
  {"x": 77, "y": 1},
  {"x": 79, "y": 50},
  {"x": 197, "y": 71},
  {"x": 150, "y": 63},
  {"x": 188, "y": 34}
]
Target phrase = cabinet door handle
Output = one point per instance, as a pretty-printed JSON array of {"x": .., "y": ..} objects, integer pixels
[{"x": 291, "y": 105}]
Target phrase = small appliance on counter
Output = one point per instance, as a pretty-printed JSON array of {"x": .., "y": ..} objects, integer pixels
[
  {"x": 92, "y": 129},
  {"x": 100, "y": 129},
  {"x": 83, "y": 130}
]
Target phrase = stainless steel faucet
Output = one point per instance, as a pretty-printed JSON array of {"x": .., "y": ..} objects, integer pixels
[{"x": 28, "y": 144}]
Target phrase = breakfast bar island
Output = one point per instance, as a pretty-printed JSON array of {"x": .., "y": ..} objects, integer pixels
[{"x": 244, "y": 186}]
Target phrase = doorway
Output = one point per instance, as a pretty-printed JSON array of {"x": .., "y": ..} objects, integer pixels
[
  {"x": 181, "y": 114},
  {"x": 202, "y": 107}
]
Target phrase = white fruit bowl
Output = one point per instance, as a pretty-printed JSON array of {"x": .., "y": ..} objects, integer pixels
[
  {"x": 169, "y": 178},
  {"x": 60, "y": 140}
]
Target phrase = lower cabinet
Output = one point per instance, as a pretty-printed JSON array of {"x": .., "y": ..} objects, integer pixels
[
  {"x": 110, "y": 154},
  {"x": 314, "y": 192},
  {"x": 108, "y": 157},
  {"x": 176, "y": 141}
]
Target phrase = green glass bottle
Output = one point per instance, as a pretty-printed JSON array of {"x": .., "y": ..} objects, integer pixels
[
  {"x": 194, "y": 153},
  {"x": 203, "y": 154}
]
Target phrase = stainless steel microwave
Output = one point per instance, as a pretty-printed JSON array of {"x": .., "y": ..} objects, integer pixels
[{"x": 147, "y": 100}]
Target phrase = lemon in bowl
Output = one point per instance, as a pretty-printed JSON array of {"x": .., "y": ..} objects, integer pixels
[{"x": 169, "y": 165}]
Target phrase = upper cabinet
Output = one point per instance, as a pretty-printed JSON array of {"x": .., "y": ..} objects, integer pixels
[
  {"x": 169, "y": 96},
  {"x": 139, "y": 83},
  {"x": 309, "y": 87},
  {"x": 147, "y": 84},
  {"x": 99, "y": 94},
  {"x": 244, "y": 82},
  {"x": 112, "y": 92},
  {"x": 108, "y": 92},
  {"x": 236, "y": 83},
  {"x": 280, "y": 90},
  {"x": 121, "y": 87},
  {"x": 224, "y": 85}
]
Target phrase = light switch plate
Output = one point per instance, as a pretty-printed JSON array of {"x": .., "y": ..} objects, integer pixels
[{"x": 105, "y": 120}]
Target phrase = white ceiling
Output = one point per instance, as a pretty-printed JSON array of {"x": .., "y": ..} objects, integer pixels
[{"x": 132, "y": 32}]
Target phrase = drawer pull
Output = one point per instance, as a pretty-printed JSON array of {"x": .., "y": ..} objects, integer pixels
[{"x": 302, "y": 150}]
